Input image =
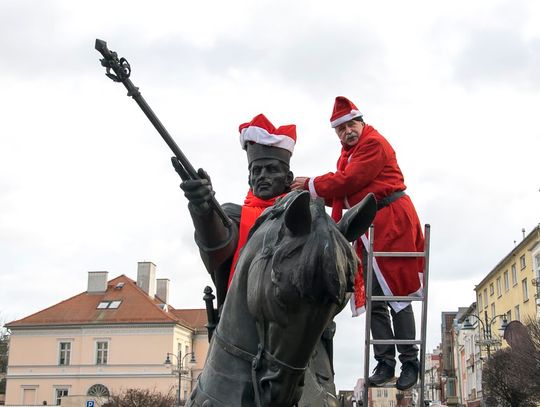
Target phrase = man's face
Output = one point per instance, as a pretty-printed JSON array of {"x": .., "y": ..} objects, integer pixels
[
  {"x": 269, "y": 177},
  {"x": 349, "y": 132}
]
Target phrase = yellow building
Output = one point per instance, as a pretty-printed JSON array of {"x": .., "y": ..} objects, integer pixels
[
  {"x": 112, "y": 337},
  {"x": 511, "y": 288}
]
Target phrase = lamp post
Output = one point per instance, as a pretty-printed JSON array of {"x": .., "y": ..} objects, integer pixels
[
  {"x": 488, "y": 339},
  {"x": 181, "y": 368}
]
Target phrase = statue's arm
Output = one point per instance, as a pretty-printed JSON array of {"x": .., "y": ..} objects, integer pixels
[
  {"x": 216, "y": 240},
  {"x": 218, "y": 259},
  {"x": 217, "y": 243}
]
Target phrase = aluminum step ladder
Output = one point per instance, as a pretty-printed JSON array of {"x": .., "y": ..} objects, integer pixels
[{"x": 371, "y": 255}]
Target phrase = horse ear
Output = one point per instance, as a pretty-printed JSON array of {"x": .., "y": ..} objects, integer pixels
[
  {"x": 298, "y": 214},
  {"x": 358, "y": 219}
]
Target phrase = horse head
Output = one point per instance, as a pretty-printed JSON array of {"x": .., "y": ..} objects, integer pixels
[{"x": 297, "y": 282}]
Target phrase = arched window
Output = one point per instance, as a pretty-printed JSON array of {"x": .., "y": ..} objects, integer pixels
[{"x": 98, "y": 390}]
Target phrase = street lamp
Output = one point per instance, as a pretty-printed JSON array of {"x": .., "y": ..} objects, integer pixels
[
  {"x": 181, "y": 368},
  {"x": 488, "y": 339}
]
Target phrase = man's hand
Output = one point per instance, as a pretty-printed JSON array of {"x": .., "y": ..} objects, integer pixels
[{"x": 299, "y": 183}]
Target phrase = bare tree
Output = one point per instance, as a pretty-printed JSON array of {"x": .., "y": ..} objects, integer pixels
[
  {"x": 141, "y": 398},
  {"x": 511, "y": 374},
  {"x": 4, "y": 348}
]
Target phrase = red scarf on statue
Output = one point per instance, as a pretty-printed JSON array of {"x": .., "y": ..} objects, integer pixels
[{"x": 251, "y": 210}]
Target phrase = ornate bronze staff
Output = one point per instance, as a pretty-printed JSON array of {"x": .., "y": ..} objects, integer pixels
[{"x": 122, "y": 72}]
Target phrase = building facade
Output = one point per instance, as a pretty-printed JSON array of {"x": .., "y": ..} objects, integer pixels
[
  {"x": 510, "y": 289},
  {"x": 432, "y": 378},
  {"x": 114, "y": 336},
  {"x": 468, "y": 359}
]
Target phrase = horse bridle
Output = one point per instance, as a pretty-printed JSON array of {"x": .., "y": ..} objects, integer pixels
[{"x": 256, "y": 359}]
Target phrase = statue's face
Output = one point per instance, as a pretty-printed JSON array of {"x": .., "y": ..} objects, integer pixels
[{"x": 269, "y": 177}]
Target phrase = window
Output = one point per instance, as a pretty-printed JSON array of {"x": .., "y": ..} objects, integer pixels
[
  {"x": 509, "y": 315},
  {"x": 514, "y": 274},
  {"x": 493, "y": 310},
  {"x": 491, "y": 289},
  {"x": 522, "y": 263},
  {"x": 59, "y": 393},
  {"x": 517, "y": 315},
  {"x": 115, "y": 304},
  {"x": 451, "y": 386},
  {"x": 506, "y": 281},
  {"x": 525, "y": 290},
  {"x": 64, "y": 354},
  {"x": 98, "y": 390},
  {"x": 485, "y": 298},
  {"x": 109, "y": 304},
  {"x": 102, "y": 352},
  {"x": 499, "y": 291},
  {"x": 479, "y": 300}
]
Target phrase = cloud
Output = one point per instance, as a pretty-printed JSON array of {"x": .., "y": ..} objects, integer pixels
[
  {"x": 499, "y": 56},
  {"x": 86, "y": 183}
]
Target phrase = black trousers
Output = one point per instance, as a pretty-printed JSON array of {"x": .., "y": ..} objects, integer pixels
[{"x": 381, "y": 328}]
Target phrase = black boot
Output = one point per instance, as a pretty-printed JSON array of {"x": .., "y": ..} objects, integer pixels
[
  {"x": 408, "y": 376},
  {"x": 383, "y": 373}
]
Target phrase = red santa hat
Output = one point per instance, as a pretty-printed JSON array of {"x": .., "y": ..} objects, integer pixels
[
  {"x": 261, "y": 139},
  {"x": 344, "y": 110}
]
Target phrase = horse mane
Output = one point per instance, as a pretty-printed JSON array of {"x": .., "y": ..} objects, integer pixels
[{"x": 327, "y": 263}]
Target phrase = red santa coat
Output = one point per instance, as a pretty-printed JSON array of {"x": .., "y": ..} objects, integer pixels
[{"x": 371, "y": 166}]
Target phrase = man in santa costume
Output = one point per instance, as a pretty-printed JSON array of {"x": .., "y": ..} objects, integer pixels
[
  {"x": 269, "y": 151},
  {"x": 368, "y": 164}
]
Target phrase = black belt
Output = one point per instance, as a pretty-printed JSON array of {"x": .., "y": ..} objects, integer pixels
[{"x": 387, "y": 200}]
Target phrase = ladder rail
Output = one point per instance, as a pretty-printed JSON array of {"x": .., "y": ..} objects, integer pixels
[
  {"x": 371, "y": 254},
  {"x": 423, "y": 329},
  {"x": 367, "y": 334}
]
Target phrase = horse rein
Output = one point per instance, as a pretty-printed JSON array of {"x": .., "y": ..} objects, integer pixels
[{"x": 256, "y": 359}]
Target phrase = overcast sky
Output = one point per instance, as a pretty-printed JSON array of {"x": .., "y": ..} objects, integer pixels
[{"x": 86, "y": 182}]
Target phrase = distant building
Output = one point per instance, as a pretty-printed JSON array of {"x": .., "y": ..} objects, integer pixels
[
  {"x": 511, "y": 288},
  {"x": 451, "y": 386},
  {"x": 468, "y": 358},
  {"x": 381, "y": 396},
  {"x": 433, "y": 378},
  {"x": 114, "y": 336}
]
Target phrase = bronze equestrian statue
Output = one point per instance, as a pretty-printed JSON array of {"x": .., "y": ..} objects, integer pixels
[
  {"x": 291, "y": 273},
  {"x": 281, "y": 267}
]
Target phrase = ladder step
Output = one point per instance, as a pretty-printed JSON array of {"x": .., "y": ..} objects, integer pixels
[
  {"x": 395, "y": 298},
  {"x": 395, "y": 342},
  {"x": 399, "y": 254}
]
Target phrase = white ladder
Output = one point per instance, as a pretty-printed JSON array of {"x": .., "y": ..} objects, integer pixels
[{"x": 371, "y": 254}]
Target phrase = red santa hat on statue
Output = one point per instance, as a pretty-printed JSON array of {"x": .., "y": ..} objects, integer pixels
[
  {"x": 261, "y": 139},
  {"x": 344, "y": 110}
]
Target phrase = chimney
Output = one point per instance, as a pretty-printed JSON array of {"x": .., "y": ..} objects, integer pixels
[
  {"x": 146, "y": 277},
  {"x": 163, "y": 289},
  {"x": 97, "y": 281}
]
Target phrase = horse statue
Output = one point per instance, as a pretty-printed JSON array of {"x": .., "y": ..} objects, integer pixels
[{"x": 292, "y": 277}]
